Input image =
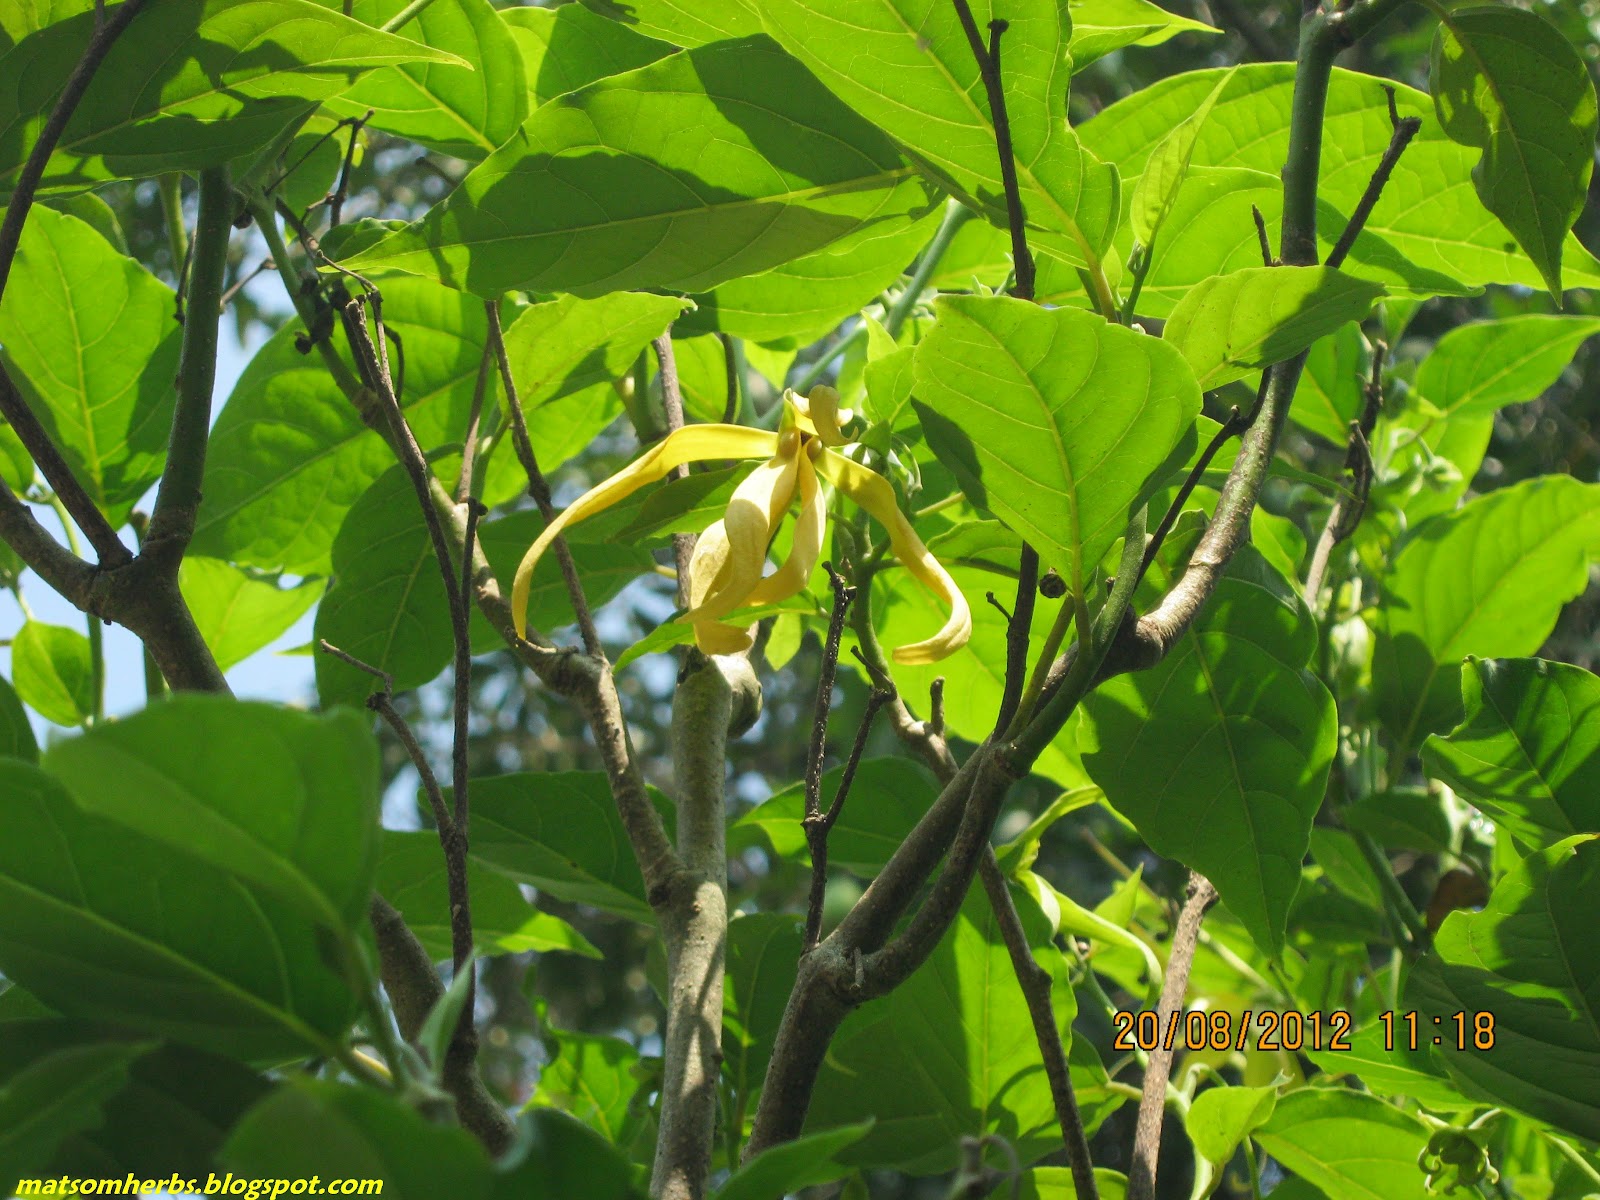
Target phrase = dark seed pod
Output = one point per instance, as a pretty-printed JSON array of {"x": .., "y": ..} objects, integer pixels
[{"x": 1051, "y": 585}]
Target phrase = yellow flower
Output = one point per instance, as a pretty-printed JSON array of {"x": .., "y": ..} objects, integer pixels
[{"x": 725, "y": 572}]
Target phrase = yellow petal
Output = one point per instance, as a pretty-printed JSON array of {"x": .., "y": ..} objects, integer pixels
[
  {"x": 715, "y": 637},
  {"x": 757, "y": 505},
  {"x": 806, "y": 548},
  {"x": 692, "y": 443},
  {"x": 873, "y": 493},
  {"x": 822, "y": 406}
]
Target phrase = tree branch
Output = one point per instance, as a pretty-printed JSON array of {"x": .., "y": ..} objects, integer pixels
[
  {"x": 672, "y": 401},
  {"x": 1153, "y": 1103},
  {"x": 1348, "y": 507},
  {"x": 816, "y": 826}
]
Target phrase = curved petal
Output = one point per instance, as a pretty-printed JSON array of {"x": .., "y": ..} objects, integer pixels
[
  {"x": 809, "y": 528},
  {"x": 692, "y": 443},
  {"x": 822, "y": 406},
  {"x": 873, "y": 493},
  {"x": 715, "y": 637},
  {"x": 757, "y": 505}
]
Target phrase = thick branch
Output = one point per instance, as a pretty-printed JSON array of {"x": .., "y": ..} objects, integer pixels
[{"x": 1153, "y": 1103}]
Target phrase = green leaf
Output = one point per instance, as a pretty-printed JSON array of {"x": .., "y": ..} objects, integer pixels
[
  {"x": 951, "y": 1049},
  {"x": 685, "y": 22},
  {"x": 606, "y": 568},
  {"x": 1485, "y": 365},
  {"x": 714, "y": 163},
  {"x": 1507, "y": 83},
  {"x": 594, "y": 1080},
  {"x": 1254, "y": 317},
  {"x": 187, "y": 90},
  {"x": 317, "y": 1127},
  {"x": 887, "y": 797},
  {"x": 1055, "y": 1183},
  {"x": 170, "y": 1115},
  {"x": 1220, "y": 754},
  {"x": 237, "y": 613},
  {"x": 91, "y": 342},
  {"x": 1348, "y": 1144},
  {"x": 386, "y": 604},
  {"x": 1331, "y": 389},
  {"x": 906, "y": 65},
  {"x": 1100, "y": 27},
  {"x": 1011, "y": 398},
  {"x": 566, "y": 48},
  {"x": 289, "y": 455},
  {"x": 1487, "y": 580},
  {"x": 1404, "y": 819},
  {"x": 1222, "y": 1117},
  {"x": 465, "y": 108},
  {"x": 565, "y": 356},
  {"x": 565, "y": 1159},
  {"x": 53, "y": 670},
  {"x": 16, "y": 735},
  {"x": 1528, "y": 751},
  {"x": 1157, "y": 189},
  {"x": 790, "y": 1166},
  {"x": 1384, "y": 1061},
  {"x": 1528, "y": 960},
  {"x": 560, "y": 832},
  {"x": 16, "y": 465},
  {"x": 763, "y": 954},
  {"x": 280, "y": 798},
  {"x": 162, "y": 942},
  {"x": 673, "y": 632},
  {"x": 54, "y": 1098},
  {"x": 411, "y": 876},
  {"x": 22, "y": 17},
  {"x": 1428, "y": 217},
  {"x": 804, "y": 299}
]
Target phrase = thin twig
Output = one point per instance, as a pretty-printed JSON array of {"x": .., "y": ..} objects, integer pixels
[
  {"x": 342, "y": 188},
  {"x": 1268, "y": 259},
  {"x": 988, "y": 59},
  {"x": 1036, "y": 983},
  {"x": 1153, "y": 1104},
  {"x": 1404, "y": 129},
  {"x": 730, "y": 367},
  {"x": 815, "y": 824},
  {"x": 469, "y": 442},
  {"x": 538, "y": 489},
  {"x": 672, "y": 401},
  {"x": 1351, "y": 503}
]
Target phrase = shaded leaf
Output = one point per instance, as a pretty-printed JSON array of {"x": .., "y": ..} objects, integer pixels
[
  {"x": 1506, "y": 82},
  {"x": 16, "y": 735},
  {"x": 739, "y": 161},
  {"x": 55, "y": 1097},
  {"x": 790, "y": 1166},
  {"x": 763, "y": 953},
  {"x": 566, "y": 48}
]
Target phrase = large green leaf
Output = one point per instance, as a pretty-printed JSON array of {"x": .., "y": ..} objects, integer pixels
[
  {"x": 90, "y": 339},
  {"x": 54, "y": 1098},
  {"x": 190, "y": 87},
  {"x": 763, "y": 954},
  {"x": 1332, "y": 386},
  {"x": 1486, "y": 580},
  {"x": 802, "y": 300},
  {"x": 1012, "y": 397},
  {"x": 699, "y": 168},
  {"x": 791, "y": 1166},
  {"x": 565, "y": 356},
  {"x": 1428, "y": 214},
  {"x": 279, "y": 798},
  {"x": 561, "y": 833},
  {"x": 685, "y": 22},
  {"x": 289, "y": 455},
  {"x": 1101, "y": 26},
  {"x": 411, "y": 876},
  {"x": 951, "y": 1052},
  {"x": 465, "y": 108},
  {"x": 1382, "y": 1058},
  {"x": 236, "y": 612},
  {"x": 566, "y": 48},
  {"x": 887, "y": 798},
  {"x": 1220, "y": 754},
  {"x": 1528, "y": 751},
  {"x": 1222, "y": 1117},
  {"x": 162, "y": 942},
  {"x": 596, "y": 1080},
  {"x": 53, "y": 669},
  {"x": 171, "y": 1114},
  {"x": 1350, "y": 1145},
  {"x": 1525, "y": 971},
  {"x": 1231, "y": 324},
  {"x": 1486, "y": 365},
  {"x": 16, "y": 735},
  {"x": 1506, "y": 82},
  {"x": 906, "y": 65}
]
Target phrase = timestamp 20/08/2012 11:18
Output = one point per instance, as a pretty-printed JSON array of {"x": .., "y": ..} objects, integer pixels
[{"x": 1270, "y": 1029}]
